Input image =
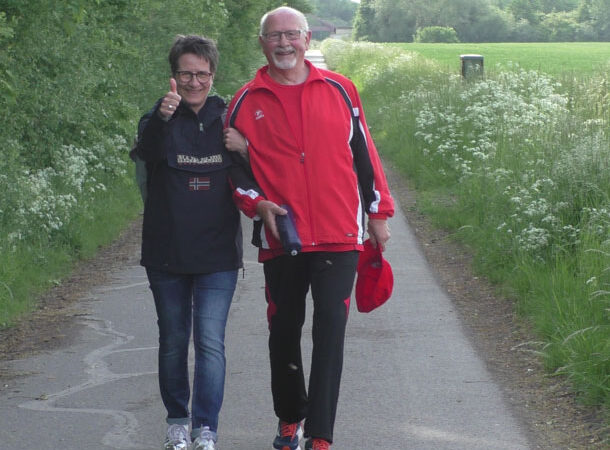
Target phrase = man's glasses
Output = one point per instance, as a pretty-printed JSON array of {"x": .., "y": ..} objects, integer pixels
[
  {"x": 184, "y": 76},
  {"x": 276, "y": 36}
]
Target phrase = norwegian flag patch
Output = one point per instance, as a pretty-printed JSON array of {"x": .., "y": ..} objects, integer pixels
[{"x": 199, "y": 184}]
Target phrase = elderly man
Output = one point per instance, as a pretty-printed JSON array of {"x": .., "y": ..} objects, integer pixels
[{"x": 308, "y": 147}]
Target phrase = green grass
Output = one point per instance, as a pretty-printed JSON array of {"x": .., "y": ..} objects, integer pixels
[
  {"x": 578, "y": 58},
  {"x": 32, "y": 269},
  {"x": 517, "y": 167}
]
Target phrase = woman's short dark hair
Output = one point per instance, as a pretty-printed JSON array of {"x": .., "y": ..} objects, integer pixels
[{"x": 197, "y": 45}]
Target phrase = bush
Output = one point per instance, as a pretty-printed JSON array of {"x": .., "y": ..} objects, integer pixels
[
  {"x": 517, "y": 166},
  {"x": 436, "y": 34},
  {"x": 69, "y": 112}
]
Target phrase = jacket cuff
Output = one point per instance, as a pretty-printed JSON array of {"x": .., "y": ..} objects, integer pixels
[{"x": 378, "y": 216}]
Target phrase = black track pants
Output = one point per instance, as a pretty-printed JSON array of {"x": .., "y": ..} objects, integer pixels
[{"x": 288, "y": 279}]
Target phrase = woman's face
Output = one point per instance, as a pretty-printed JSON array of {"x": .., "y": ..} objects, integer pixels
[{"x": 193, "y": 92}]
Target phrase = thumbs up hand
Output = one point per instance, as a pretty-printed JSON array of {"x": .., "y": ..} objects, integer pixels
[{"x": 170, "y": 102}]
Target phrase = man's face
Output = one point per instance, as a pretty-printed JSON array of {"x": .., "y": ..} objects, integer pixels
[
  {"x": 284, "y": 54},
  {"x": 194, "y": 93}
]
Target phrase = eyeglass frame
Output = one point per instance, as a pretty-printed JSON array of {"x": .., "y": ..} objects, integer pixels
[
  {"x": 279, "y": 34},
  {"x": 208, "y": 75}
]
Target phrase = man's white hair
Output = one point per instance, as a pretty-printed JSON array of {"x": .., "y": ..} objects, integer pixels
[{"x": 288, "y": 9}]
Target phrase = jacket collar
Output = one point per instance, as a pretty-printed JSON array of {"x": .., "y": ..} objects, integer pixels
[
  {"x": 213, "y": 108},
  {"x": 259, "y": 81}
]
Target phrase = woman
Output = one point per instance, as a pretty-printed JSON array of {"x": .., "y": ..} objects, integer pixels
[{"x": 191, "y": 240}]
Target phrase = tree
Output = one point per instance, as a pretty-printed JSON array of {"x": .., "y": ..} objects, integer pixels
[
  {"x": 363, "y": 29},
  {"x": 485, "y": 20},
  {"x": 305, "y": 6},
  {"x": 526, "y": 9},
  {"x": 238, "y": 43},
  {"x": 492, "y": 25},
  {"x": 341, "y": 11},
  {"x": 436, "y": 34},
  {"x": 560, "y": 26},
  {"x": 398, "y": 20},
  {"x": 548, "y": 6},
  {"x": 600, "y": 18},
  {"x": 583, "y": 13},
  {"x": 464, "y": 16}
]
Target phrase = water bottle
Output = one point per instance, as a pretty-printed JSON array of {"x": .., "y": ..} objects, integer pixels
[{"x": 288, "y": 232}]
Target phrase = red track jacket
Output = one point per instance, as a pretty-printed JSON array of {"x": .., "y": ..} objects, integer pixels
[{"x": 331, "y": 182}]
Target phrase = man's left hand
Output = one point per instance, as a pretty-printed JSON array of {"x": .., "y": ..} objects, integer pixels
[{"x": 379, "y": 232}]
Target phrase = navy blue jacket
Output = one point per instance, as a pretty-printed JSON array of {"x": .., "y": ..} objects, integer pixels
[{"x": 191, "y": 224}]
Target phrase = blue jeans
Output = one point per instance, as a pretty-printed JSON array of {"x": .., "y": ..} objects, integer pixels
[{"x": 199, "y": 302}]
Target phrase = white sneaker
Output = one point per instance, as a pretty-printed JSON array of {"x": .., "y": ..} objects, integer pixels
[
  {"x": 205, "y": 440},
  {"x": 177, "y": 437}
]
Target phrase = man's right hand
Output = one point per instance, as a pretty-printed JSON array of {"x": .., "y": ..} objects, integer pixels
[
  {"x": 170, "y": 102},
  {"x": 267, "y": 210},
  {"x": 235, "y": 142}
]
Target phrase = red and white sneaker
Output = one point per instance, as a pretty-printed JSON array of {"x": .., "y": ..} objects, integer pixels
[
  {"x": 317, "y": 444},
  {"x": 288, "y": 436}
]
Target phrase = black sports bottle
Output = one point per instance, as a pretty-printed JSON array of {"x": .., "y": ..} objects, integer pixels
[{"x": 288, "y": 232}]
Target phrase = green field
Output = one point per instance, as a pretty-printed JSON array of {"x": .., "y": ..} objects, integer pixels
[{"x": 556, "y": 59}]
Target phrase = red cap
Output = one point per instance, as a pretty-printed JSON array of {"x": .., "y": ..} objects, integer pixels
[{"x": 375, "y": 279}]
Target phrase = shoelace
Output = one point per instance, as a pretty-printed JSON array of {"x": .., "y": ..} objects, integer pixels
[
  {"x": 177, "y": 433},
  {"x": 320, "y": 444},
  {"x": 288, "y": 429},
  {"x": 206, "y": 440}
]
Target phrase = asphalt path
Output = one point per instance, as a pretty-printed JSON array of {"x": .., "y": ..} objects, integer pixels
[{"x": 411, "y": 380}]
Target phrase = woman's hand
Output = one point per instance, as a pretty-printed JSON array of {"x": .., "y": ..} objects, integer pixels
[{"x": 170, "y": 102}]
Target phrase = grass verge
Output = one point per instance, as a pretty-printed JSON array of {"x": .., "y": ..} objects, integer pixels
[
  {"x": 31, "y": 269},
  {"x": 516, "y": 165}
]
